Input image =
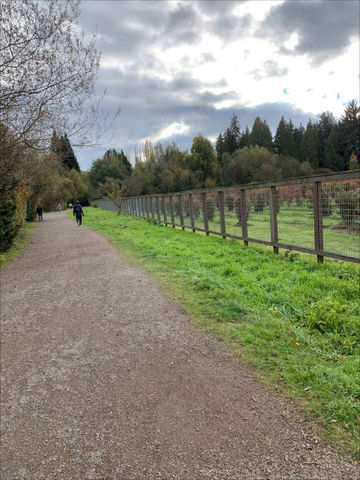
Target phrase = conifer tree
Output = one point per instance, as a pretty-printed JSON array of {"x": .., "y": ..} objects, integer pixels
[
  {"x": 245, "y": 139},
  {"x": 324, "y": 127},
  {"x": 232, "y": 136},
  {"x": 349, "y": 127},
  {"x": 66, "y": 154},
  {"x": 220, "y": 147},
  {"x": 261, "y": 135},
  {"x": 332, "y": 157},
  {"x": 284, "y": 142}
]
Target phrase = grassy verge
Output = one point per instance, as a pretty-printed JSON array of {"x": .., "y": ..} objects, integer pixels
[
  {"x": 294, "y": 320},
  {"x": 21, "y": 240}
]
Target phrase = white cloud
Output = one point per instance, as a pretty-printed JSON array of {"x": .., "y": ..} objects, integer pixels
[{"x": 174, "y": 129}]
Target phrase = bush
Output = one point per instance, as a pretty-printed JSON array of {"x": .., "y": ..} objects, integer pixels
[
  {"x": 210, "y": 209},
  {"x": 326, "y": 205},
  {"x": 348, "y": 202},
  {"x": 238, "y": 210},
  {"x": 21, "y": 195},
  {"x": 7, "y": 215}
]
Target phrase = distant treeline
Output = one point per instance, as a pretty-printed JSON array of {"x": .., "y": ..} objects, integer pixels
[{"x": 239, "y": 157}]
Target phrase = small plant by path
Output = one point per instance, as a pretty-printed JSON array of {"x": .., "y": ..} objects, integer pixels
[{"x": 22, "y": 239}]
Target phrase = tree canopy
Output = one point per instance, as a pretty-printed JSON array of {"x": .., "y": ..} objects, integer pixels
[{"x": 47, "y": 70}]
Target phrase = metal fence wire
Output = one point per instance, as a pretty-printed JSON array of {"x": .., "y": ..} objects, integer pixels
[{"x": 319, "y": 215}]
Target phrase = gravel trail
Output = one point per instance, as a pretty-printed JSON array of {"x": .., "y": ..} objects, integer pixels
[{"x": 104, "y": 378}]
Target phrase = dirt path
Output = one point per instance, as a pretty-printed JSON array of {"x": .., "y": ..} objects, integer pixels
[{"x": 104, "y": 378}]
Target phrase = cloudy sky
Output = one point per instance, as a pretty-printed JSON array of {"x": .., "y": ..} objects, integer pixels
[{"x": 180, "y": 68}]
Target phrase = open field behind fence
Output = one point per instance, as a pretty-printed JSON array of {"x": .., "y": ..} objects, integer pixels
[{"x": 318, "y": 215}]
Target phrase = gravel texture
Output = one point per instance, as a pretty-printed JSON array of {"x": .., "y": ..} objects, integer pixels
[{"x": 104, "y": 378}]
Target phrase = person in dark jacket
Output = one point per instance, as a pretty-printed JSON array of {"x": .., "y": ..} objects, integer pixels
[
  {"x": 39, "y": 212},
  {"x": 78, "y": 212}
]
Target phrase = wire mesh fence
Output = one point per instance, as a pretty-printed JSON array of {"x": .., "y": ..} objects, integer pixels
[{"x": 317, "y": 215}]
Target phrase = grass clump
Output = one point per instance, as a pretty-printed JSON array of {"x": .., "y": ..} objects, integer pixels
[
  {"x": 293, "y": 319},
  {"x": 21, "y": 240}
]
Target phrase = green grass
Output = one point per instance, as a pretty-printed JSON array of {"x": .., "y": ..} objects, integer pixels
[
  {"x": 297, "y": 322},
  {"x": 21, "y": 240},
  {"x": 295, "y": 227}
]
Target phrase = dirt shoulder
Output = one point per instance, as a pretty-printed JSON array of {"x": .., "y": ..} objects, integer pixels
[{"x": 104, "y": 378}]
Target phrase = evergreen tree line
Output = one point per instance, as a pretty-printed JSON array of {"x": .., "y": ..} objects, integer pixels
[
  {"x": 325, "y": 144},
  {"x": 239, "y": 157}
]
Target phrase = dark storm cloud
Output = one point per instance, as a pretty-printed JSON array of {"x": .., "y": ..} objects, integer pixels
[
  {"x": 132, "y": 87},
  {"x": 324, "y": 28},
  {"x": 123, "y": 28},
  {"x": 182, "y": 25},
  {"x": 127, "y": 27}
]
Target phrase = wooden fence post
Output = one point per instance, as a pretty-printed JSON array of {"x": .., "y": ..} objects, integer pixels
[
  {"x": 158, "y": 209},
  {"x": 273, "y": 218},
  {"x": 222, "y": 213},
  {"x": 172, "y": 210},
  {"x": 147, "y": 207},
  {"x": 181, "y": 211},
  {"x": 191, "y": 212},
  {"x": 244, "y": 215},
  {"x": 152, "y": 208},
  {"x": 204, "y": 207},
  {"x": 318, "y": 221},
  {"x": 164, "y": 210}
]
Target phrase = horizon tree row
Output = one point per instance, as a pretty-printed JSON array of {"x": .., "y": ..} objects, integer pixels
[{"x": 324, "y": 144}]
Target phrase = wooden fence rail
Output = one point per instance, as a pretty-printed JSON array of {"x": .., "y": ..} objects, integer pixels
[{"x": 205, "y": 211}]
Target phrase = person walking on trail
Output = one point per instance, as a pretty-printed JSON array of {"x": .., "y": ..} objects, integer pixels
[
  {"x": 39, "y": 212},
  {"x": 78, "y": 212},
  {"x": 59, "y": 207}
]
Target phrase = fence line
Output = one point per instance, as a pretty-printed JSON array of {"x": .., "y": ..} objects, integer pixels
[{"x": 318, "y": 215}]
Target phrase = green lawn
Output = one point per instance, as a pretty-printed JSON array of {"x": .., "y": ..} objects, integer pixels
[
  {"x": 295, "y": 227},
  {"x": 296, "y": 321}
]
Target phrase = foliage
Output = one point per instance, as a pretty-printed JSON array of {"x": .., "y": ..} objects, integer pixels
[
  {"x": 284, "y": 140},
  {"x": 349, "y": 127},
  {"x": 260, "y": 134},
  {"x": 113, "y": 165},
  {"x": 21, "y": 240},
  {"x": 231, "y": 138},
  {"x": 326, "y": 203},
  {"x": 7, "y": 214},
  {"x": 310, "y": 145},
  {"x": 114, "y": 191},
  {"x": 238, "y": 209},
  {"x": 348, "y": 202},
  {"x": 21, "y": 196},
  {"x": 55, "y": 70},
  {"x": 353, "y": 162},
  {"x": 202, "y": 160},
  {"x": 63, "y": 149}
]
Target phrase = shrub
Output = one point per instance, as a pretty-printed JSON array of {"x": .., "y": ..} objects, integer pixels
[
  {"x": 326, "y": 205},
  {"x": 348, "y": 202},
  {"x": 210, "y": 209},
  {"x": 238, "y": 210},
  {"x": 7, "y": 214}
]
